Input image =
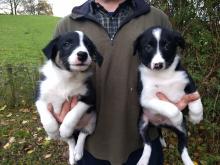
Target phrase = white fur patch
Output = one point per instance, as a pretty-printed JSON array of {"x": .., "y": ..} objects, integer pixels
[
  {"x": 71, "y": 143},
  {"x": 158, "y": 56},
  {"x": 185, "y": 157},
  {"x": 49, "y": 122},
  {"x": 144, "y": 160},
  {"x": 59, "y": 85},
  {"x": 157, "y": 33},
  {"x": 78, "y": 152},
  {"x": 163, "y": 142},
  {"x": 170, "y": 82},
  {"x": 195, "y": 111}
]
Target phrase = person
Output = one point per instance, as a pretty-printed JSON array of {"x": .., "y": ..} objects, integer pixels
[{"x": 113, "y": 26}]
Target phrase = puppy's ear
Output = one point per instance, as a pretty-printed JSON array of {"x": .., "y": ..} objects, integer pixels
[
  {"x": 97, "y": 58},
  {"x": 179, "y": 40},
  {"x": 136, "y": 45},
  {"x": 51, "y": 49}
]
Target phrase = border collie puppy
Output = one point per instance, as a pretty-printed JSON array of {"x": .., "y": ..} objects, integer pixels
[
  {"x": 161, "y": 71},
  {"x": 67, "y": 73}
]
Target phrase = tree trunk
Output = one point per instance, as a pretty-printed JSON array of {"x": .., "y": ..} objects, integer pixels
[
  {"x": 11, "y": 7},
  {"x": 15, "y": 7}
]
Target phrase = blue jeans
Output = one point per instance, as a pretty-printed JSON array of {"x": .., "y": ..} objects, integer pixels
[{"x": 155, "y": 159}]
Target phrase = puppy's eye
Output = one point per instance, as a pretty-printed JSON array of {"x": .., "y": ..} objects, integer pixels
[
  {"x": 67, "y": 44},
  {"x": 148, "y": 47},
  {"x": 165, "y": 45}
]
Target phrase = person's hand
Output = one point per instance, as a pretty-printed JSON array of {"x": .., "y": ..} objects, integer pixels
[
  {"x": 183, "y": 102},
  {"x": 66, "y": 107}
]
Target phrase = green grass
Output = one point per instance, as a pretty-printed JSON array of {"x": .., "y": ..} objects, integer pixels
[{"x": 23, "y": 37}]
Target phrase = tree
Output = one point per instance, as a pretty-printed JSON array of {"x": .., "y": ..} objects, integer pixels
[
  {"x": 12, "y": 4},
  {"x": 44, "y": 8},
  {"x": 29, "y": 7}
]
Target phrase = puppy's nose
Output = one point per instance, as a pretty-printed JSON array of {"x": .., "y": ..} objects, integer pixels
[
  {"x": 158, "y": 65},
  {"x": 82, "y": 56}
]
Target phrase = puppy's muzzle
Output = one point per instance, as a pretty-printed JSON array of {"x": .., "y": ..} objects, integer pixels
[
  {"x": 82, "y": 56},
  {"x": 158, "y": 66}
]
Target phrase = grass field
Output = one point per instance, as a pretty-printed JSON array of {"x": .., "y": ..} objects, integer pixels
[
  {"x": 23, "y": 37},
  {"x": 22, "y": 138}
]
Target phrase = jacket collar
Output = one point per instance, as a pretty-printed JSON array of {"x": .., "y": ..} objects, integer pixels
[{"x": 140, "y": 7}]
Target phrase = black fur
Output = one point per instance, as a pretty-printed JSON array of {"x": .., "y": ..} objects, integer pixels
[
  {"x": 191, "y": 86},
  {"x": 93, "y": 51}
]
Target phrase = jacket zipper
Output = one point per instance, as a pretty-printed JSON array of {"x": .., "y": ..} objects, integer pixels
[
  {"x": 123, "y": 23},
  {"x": 95, "y": 21},
  {"x": 126, "y": 21}
]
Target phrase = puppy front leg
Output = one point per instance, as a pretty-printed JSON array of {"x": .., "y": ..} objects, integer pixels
[
  {"x": 72, "y": 118},
  {"x": 181, "y": 132},
  {"x": 78, "y": 151},
  {"x": 163, "y": 108},
  {"x": 143, "y": 129},
  {"x": 48, "y": 121},
  {"x": 87, "y": 130},
  {"x": 195, "y": 111},
  {"x": 71, "y": 143}
]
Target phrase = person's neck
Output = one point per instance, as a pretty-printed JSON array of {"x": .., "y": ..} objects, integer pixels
[{"x": 109, "y": 5}]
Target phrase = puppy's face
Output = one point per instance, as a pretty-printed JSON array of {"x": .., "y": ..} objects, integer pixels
[
  {"x": 157, "y": 47},
  {"x": 72, "y": 51}
]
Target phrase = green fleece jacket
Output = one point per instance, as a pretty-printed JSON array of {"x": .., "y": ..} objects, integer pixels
[{"x": 116, "y": 134}]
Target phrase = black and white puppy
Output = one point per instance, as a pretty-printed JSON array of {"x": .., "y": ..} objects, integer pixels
[
  {"x": 67, "y": 73},
  {"x": 160, "y": 71}
]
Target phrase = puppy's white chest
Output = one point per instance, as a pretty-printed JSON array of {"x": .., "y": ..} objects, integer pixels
[
  {"x": 62, "y": 90},
  {"x": 172, "y": 84}
]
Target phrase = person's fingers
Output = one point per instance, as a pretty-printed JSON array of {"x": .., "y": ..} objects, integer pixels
[
  {"x": 50, "y": 107},
  {"x": 161, "y": 96},
  {"x": 73, "y": 101},
  {"x": 181, "y": 105},
  {"x": 186, "y": 99},
  {"x": 192, "y": 97},
  {"x": 65, "y": 109}
]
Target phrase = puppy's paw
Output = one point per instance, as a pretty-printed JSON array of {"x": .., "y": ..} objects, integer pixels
[
  {"x": 51, "y": 127},
  {"x": 178, "y": 119},
  {"x": 65, "y": 131},
  {"x": 163, "y": 142},
  {"x": 195, "y": 111},
  {"x": 195, "y": 119},
  {"x": 143, "y": 161},
  {"x": 54, "y": 135},
  {"x": 78, "y": 156},
  {"x": 72, "y": 161}
]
